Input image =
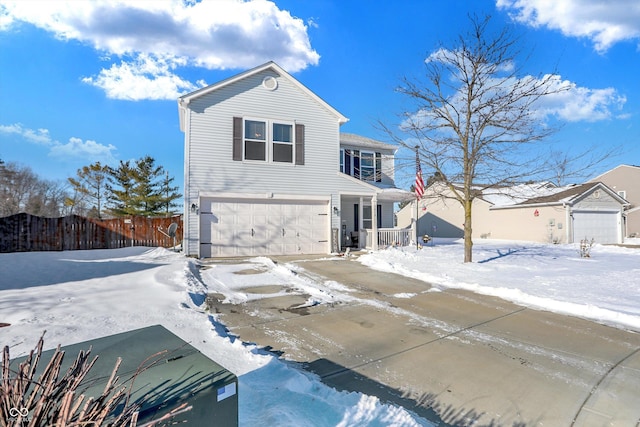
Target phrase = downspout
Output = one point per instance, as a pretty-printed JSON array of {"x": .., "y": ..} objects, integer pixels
[{"x": 186, "y": 225}]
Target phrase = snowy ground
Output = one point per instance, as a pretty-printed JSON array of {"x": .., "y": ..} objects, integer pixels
[
  {"x": 81, "y": 295},
  {"x": 604, "y": 287}
]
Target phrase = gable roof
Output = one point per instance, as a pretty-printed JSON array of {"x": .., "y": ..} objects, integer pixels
[
  {"x": 184, "y": 100},
  {"x": 568, "y": 195},
  {"x": 597, "y": 178},
  {"x": 364, "y": 142},
  {"x": 514, "y": 194}
]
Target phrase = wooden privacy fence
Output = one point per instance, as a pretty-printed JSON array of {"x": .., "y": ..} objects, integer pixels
[{"x": 23, "y": 232}]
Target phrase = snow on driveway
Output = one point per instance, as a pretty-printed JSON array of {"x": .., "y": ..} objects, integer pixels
[{"x": 81, "y": 295}]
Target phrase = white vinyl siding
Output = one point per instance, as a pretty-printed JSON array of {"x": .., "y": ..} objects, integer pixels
[{"x": 209, "y": 163}]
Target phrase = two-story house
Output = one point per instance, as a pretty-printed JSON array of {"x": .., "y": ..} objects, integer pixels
[{"x": 267, "y": 171}]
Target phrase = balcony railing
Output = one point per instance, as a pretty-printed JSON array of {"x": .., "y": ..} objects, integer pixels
[{"x": 386, "y": 237}]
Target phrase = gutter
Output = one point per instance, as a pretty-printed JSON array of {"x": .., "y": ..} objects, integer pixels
[{"x": 532, "y": 205}]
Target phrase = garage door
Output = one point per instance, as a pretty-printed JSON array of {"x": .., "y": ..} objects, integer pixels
[
  {"x": 603, "y": 227},
  {"x": 258, "y": 227}
]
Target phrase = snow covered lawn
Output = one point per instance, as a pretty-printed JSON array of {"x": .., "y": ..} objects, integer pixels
[
  {"x": 604, "y": 287},
  {"x": 81, "y": 295}
]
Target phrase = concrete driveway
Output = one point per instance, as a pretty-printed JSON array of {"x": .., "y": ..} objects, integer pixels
[{"x": 453, "y": 357}]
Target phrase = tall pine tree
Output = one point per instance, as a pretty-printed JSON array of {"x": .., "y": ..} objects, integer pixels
[
  {"x": 91, "y": 182},
  {"x": 120, "y": 186},
  {"x": 147, "y": 188}
]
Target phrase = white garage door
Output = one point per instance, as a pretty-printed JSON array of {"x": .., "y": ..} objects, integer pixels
[
  {"x": 259, "y": 227},
  {"x": 603, "y": 227}
]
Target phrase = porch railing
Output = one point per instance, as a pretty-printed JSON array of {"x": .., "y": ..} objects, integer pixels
[{"x": 387, "y": 237}]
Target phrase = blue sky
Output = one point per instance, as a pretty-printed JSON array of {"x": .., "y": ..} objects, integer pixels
[{"x": 94, "y": 81}]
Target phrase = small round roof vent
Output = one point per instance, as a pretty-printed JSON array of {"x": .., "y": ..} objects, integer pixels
[{"x": 270, "y": 83}]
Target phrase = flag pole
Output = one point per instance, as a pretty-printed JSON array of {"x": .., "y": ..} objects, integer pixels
[
  {"x": 417, "y": 245},
  {"x": 418, "y": 192}
]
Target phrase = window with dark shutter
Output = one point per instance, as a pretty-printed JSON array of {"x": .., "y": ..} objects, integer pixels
[
  {"x": 378, "y": 167},
  {"x": 299, "y": 144}
]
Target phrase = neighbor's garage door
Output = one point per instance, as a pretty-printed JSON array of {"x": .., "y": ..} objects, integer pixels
[
  {"x": 258, "y": 227},
  {"x": 603, "y": 227}
]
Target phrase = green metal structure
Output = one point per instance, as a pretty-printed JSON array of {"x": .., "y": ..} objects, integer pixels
[{"x": 181, "y": 374}]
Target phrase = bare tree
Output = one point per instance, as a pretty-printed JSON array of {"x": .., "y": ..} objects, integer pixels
[
  {"x": 169, "y": 194},
  {"x": 476, "y": 124},
  {"x": 22, "y": 190},
  {"x": 75, "y": 202}
]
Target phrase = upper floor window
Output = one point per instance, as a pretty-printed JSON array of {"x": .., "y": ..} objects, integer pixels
[
  {"x": 282, "y": 143},
  {"x": 255, "y": 140},
  {"x": 268, "y": 141},
  {"x": 363, "y": 165}
]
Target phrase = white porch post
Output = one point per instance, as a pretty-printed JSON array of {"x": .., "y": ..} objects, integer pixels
[
  {"x": 414, "y": 222},
  {"x": 361, "y": 241},
  {"x": 374, "y": 222}
]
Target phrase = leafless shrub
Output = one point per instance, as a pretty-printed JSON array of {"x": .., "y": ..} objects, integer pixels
[
  {"x": 585, "y": 247},
  {"x": 57, "y": 400}
]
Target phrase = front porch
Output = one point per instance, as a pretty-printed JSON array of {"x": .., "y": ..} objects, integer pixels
[
  {"x": 386, "y": 237},
  {"x": 363, "y": 217}
]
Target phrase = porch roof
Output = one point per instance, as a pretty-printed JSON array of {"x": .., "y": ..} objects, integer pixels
[
  {"x": 384, "y": 194},
  {"x": 394, "y": 195}
]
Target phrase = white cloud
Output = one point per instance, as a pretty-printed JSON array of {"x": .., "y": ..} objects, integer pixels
[
  {"x": 143, "y": 78},
  {"x": 603, "y": 22},
  {"x": 565, "y": 99},
  {"x": 39, "y": 136},
  {"x": 214, "y": 34},
  {"x": 580, "y": 103},
  {"x": 76, "y": 148}
]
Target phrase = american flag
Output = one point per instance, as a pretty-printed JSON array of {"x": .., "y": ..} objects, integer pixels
[{"x": 419, "y": 186}]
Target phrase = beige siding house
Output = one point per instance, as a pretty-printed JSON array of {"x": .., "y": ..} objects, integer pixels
[
  {"x": 625, "y": 181},
  {"x": 532, "y": 212}
]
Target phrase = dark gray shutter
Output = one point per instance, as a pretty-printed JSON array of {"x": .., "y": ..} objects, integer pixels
[
  {"x": 237, "y": 138},
  {"x": 299, "y": 144}
]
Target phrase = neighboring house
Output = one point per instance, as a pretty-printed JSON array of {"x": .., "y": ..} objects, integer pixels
[
  {"x": 625, "y": 180},
  {"x": 262, "y": 171},
  {"x": 534, "y": 212}
]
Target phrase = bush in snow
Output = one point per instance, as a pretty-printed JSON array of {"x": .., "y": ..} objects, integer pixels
[
  {"x": 585, "y": 247},
  {"x": 54, "y": 400}
]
